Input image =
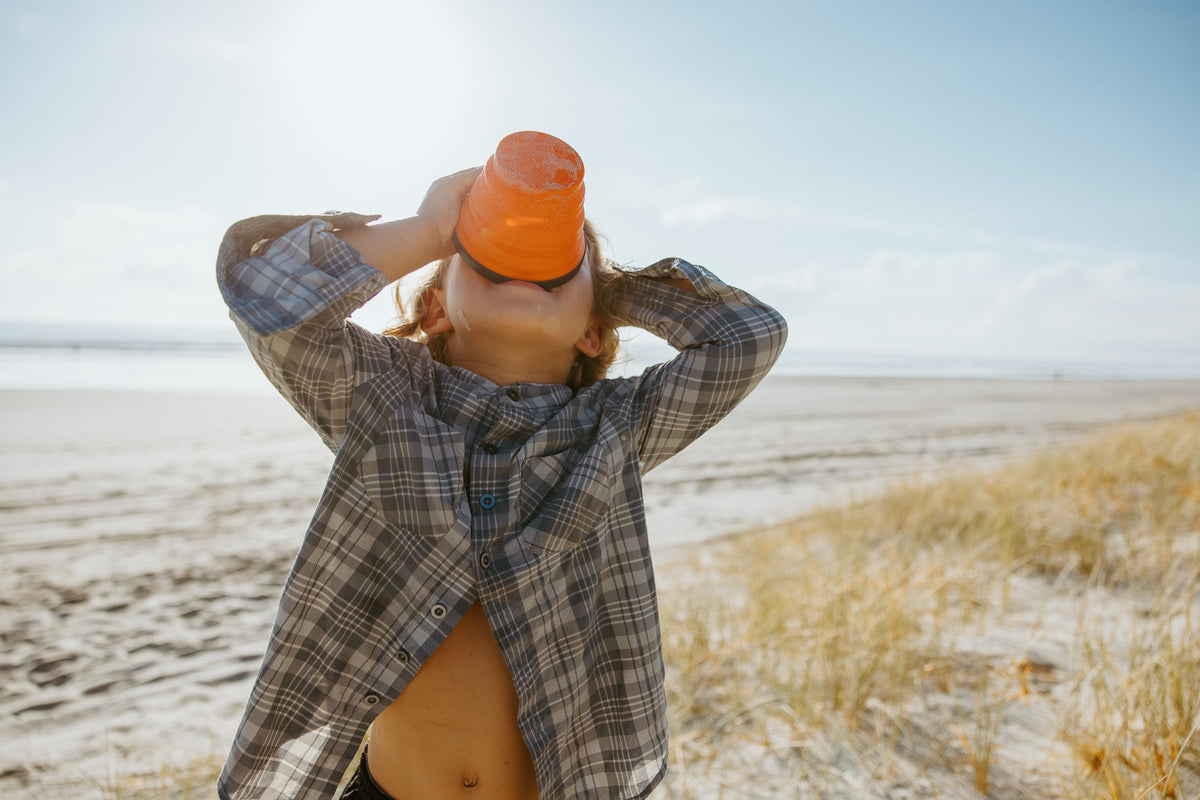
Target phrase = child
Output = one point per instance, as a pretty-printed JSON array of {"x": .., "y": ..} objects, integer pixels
[{"x": 476, "y": 580}]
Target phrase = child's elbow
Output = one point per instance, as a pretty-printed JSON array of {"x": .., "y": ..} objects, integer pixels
[
  {"x": 772, "y": 332},
  {"x": 759, "y": 344},
  {"x": 779, "y": 327}
]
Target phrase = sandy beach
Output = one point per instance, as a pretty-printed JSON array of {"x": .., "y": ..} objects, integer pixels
[{"x": 146, "y": 536}]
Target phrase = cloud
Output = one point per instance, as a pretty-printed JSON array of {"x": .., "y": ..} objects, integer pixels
[
  {"x": 928, "y": 290},
  {"x": 688, "y": 202},
  {"x": 691, "y": 203},
  {"x": 988, "y": 303},
  {"x": 1099, "y": 309},
  {"x": 700, "y": 208},
  {"x": 200, "y": 46},
  {"x": 1060, "y": 280},
  {"x": 712, "y": 208},
  {"x": 891, "y": 264},
  {"x": 93, "y": 262}
]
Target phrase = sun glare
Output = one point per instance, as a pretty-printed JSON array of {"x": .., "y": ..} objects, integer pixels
[{"x": 390, "y": 67}]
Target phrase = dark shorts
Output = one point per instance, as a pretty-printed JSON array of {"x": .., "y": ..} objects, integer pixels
[{"x": 362, "y": 786}]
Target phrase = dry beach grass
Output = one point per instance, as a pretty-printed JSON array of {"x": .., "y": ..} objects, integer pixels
[{"x": 1026, "y": 633}]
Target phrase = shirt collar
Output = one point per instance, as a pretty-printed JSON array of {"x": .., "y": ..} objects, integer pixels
[{"x": 478, "y": 406}]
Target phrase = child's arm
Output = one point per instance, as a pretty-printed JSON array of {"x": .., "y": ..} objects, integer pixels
[
  {"x": 403, "y": 246},
  {"x": 728, "y": 341},
  {"x": 291, "y": 281}
]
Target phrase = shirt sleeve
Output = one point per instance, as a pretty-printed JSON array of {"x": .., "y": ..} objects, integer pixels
[
  {"x": 290, "y": 284},
  {"x": 727, "y": 342}
]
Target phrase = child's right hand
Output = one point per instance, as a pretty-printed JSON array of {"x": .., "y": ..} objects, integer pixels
[
  {"x": 442, "y": 204},
  {"x": 401, "y": 246}
]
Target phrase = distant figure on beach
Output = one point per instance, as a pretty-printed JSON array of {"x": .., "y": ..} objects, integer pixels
[{"x": 473, "y": 605}]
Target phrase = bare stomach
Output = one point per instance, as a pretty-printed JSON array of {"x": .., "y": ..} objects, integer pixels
[{"x": 453, "y": 732}]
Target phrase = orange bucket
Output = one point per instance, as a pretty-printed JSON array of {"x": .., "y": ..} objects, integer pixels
[{"x": 523, "y": 218}]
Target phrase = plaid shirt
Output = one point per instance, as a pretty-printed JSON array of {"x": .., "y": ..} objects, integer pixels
[{"x": 447, "y": 489}]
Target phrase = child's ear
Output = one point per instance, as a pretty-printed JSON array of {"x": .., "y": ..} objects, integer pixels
[
  {"x": 437, "y": 319},
  {"x": 592, "y": 339}
]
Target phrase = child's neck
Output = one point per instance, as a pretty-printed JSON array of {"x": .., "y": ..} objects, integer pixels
[{"x": 505, "y": 366}]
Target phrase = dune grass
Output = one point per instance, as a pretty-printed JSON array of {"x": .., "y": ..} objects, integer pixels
[
  {"x": 1031, "y": 632},
  {"x": 193, "y": 779}
]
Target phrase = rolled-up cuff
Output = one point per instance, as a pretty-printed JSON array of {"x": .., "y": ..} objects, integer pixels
[
  {"x": 302, "y": 274},
  {"x": 250, "y": 235}
]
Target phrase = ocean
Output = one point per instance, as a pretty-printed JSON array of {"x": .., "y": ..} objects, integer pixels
[{"x": 146, "y": 358}]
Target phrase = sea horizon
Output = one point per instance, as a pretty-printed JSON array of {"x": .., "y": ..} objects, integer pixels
[{"x": 50, "y": 356}]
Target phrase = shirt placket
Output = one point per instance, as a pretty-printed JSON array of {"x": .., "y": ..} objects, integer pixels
[
  {"x": 489, "y": 485},
  {"x": 490, "y": 503}
]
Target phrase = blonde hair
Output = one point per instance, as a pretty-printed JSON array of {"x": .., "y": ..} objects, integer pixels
[{"x": 586, "y": 370}]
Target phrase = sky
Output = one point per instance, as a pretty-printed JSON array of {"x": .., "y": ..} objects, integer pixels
[{"x": 995, "y": 180}]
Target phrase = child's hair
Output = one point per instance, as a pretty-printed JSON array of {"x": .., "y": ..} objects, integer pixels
[{"x": 587, "y": 369}]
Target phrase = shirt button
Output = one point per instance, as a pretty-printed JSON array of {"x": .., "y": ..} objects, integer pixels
[
  {"x": 403, "y": 657},
  {"x": 485, "y": 560},
  {"x": 438, "y": 611},
  {"x": 371, "y": 699},
  {"x": 490, "y": 449},
  {"x": 487, "y": 502},
  {"x": 513, "y": 394}
]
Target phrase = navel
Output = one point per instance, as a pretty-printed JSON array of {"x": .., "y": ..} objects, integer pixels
[{"x": 470, "y": 780}]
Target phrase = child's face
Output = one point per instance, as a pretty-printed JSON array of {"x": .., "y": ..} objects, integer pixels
[{"x": 516, "y": 313}]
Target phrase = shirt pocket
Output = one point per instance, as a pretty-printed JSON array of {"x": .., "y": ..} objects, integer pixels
[
  {"x": 565, "y": 496},
  {"x": 413, "y": 474}
]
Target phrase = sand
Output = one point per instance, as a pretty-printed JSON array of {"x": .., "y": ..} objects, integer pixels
[{"x": 146, "y": 536}]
